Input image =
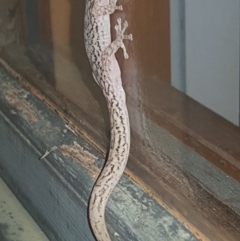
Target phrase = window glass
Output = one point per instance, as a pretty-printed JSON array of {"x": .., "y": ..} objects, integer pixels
[{"x": 181, "y": 82}]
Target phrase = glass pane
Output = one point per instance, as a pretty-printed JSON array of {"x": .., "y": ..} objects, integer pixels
[{"x": 181, "y": 82}]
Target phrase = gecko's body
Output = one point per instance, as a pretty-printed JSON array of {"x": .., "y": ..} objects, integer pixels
[{"x": 106, "y": 72}]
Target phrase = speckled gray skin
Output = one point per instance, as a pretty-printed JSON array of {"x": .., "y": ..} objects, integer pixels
[{"x": 106, "y": 72}]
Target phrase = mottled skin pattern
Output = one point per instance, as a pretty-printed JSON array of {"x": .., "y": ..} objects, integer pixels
[{"x": 106, "y": 72}]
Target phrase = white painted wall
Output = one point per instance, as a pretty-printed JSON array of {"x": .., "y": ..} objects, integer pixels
[{"x": 212, "y": 55}]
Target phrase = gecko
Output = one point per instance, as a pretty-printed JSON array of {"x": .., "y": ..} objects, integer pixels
[{"x": 106, "y": 72}]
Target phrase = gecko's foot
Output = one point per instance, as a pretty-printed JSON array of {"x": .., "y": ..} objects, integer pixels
[
  {"x": 129, "y": 37},
  {"x": 114, "y": 5},
  {"x": 120, "y": 31},
  {"x": 120, "y": 35},
  {"x": 119, "y": 7}
]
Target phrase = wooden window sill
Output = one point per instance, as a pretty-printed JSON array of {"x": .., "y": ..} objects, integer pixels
[
  {"x": 51, "y": 170},
  {"x": 179, "y": 173}
]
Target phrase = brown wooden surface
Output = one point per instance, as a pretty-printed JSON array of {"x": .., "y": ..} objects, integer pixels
[
  {"x": 45, "y": 31},
  {"x": 207, "y": 133},
  {"x": 149, "y": 23}
]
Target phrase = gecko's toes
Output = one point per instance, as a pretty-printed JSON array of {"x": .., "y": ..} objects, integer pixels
[
  {"x": 119, "y": 20},
  {"x": 120, "y": 7},
  {"x": 128, "y": 37}
]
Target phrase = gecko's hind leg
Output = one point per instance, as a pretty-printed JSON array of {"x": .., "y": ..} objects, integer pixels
[
  {"x": 120, "y": 35},
  {"x": 101, "y": 10},
  {"x": 117, "y": 43}
]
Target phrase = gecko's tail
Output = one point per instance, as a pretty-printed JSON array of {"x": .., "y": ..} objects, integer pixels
[
  {"x": 112, "y": 171},
  {"x": 97, "y": 217}
]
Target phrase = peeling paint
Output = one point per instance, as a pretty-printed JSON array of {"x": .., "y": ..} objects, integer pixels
[
  {"x": 79, "y": 154},
  {"x": 18, "y": 98}
]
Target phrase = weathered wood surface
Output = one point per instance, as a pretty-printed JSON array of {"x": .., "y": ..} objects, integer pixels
[
  {"x": 55, "y": 189},
  {"x": 190, "y": 187}
]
